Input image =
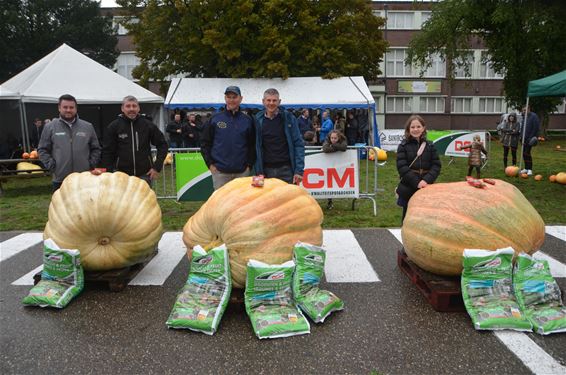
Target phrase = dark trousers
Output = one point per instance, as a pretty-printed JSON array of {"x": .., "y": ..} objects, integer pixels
[
  {"x": 513, "y": 155},
  {"x": 478, "y": 169},
  {"x": 527, "y": 157},
  {"x": 56, "y": 185},
  {"x": 283, "y": 173}
]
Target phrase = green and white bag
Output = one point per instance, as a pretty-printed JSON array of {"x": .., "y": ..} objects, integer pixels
[
  {"x": 203, "y": 299},
  {"x": 62, "y": 278},
  {"x": 487, "y": 290},
  {"x": 309, "y": 268},
  {"x": 539, "y": 295},
  {"x": 269, "y": 301}
]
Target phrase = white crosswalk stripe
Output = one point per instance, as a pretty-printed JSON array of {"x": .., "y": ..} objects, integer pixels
[
  {"x": 528, "y": 352},
  {"x": 19, "y": 243},
  {"x": 558, "y": 231}
]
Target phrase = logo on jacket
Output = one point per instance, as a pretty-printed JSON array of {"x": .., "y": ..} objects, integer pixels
[
  {"x": 222, "y": 125},
  {"x": 81, "y": 134},
  {"x": 123, "y": 135}
]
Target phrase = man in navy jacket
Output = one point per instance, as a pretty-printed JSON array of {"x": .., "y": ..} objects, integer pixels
[{"x": 228, "y": 141}]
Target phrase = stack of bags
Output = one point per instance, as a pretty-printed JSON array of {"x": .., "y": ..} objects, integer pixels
[
  {"x": 499, "y": 296},
  {"x": 274, "y": 295}
]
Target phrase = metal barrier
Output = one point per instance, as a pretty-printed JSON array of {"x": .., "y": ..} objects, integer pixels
[{"x": 165, "y": 186}]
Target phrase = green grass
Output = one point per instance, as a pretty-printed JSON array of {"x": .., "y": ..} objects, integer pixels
[{"x": 25, "y": 202}]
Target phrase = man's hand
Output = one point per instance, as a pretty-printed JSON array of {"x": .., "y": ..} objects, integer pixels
[
  {"x": 153, "y": 174},
  {"x": 178, "y": 130},
  {"x": 422, "y": 184},
  {"x": 297, "y": 179},
  {"x": 212, "y": 168}
]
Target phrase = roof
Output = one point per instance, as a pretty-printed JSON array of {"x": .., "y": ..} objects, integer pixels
[
  {"x": 297, "y": 92},
  {"x": 554, "y": 85},
  {"x": 67, "y": 71}
]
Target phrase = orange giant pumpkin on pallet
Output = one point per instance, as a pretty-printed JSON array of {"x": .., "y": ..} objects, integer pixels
[
  {"x": 444, "y": 219},
  {"x": 261, "y": 223}
]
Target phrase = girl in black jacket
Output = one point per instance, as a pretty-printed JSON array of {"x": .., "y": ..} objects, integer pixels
[{"x": 417, "y": 167}]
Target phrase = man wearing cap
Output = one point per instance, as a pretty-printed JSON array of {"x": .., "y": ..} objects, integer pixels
[
  {"x": 228, "y": 141},
  {"x": 279, "y": 145}
]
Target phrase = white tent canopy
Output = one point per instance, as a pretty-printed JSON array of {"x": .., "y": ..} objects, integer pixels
[
  {"x": 67, "y": 71},
  {"x": 298, "y": 92}
]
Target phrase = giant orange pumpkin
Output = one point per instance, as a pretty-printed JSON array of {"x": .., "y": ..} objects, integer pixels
[
  {"x": 113, "y": 219},
  {"x": 444, "y": 219},
  {"x": 261, "y": 223}
]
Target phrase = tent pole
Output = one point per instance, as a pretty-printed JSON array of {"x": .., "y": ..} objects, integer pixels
[
  {"x": 524, "y": 125},
  {"x": 24, "y": 120}
]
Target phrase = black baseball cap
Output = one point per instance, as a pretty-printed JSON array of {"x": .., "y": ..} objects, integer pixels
[{"x": 233, "y": 89}]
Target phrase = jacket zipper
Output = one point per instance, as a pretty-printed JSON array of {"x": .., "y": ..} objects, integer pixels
[{"x": 133, "y": 146}]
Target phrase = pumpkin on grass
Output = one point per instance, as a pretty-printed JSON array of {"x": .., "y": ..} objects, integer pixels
[
  {"x": 113, "y": 219},
  {"x": 261, "y": 223},
  {"x": 444, "y": 219}
]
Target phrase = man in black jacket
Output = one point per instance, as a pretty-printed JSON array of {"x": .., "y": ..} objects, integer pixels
[
  {"x": 127, "y": 144},
  {"x": 174, "y": 129}
]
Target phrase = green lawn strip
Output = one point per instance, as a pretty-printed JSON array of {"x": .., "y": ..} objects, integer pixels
[{"x": 25, "y": 202}]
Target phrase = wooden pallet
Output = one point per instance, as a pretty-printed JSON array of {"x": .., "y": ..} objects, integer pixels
[
  {"x": 443, "y": 293},
  {"x": 113, "y": 280}
]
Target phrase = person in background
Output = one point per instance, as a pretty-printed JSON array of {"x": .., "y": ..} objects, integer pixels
[
  {"x": 191, "y": 131},
  {"x": 335, "y": 141},
  {"x": 351, "y": 128},
  {"x": 316, "y": 129},
  {"x": 326, "y": 126},
  {"x": 340, "y": 123},
  {"x": 532, "y": 127},
  {"x": 280, "y": 147},
  {"x": 309, "y": 138},
  {"x": 417, "y": 161},
  {"x": 305, "y": 123},
  {"x": 174, "y": 129},
  {"x": 228, "y": 141},
  {"x": 510, "y": 132},
  {"x": 474, "y": 158},
  {"x": 363, "y": 126},
  {"x": 68, "y": 144},
  {"x": 35, "y": 132},
  {"x": 128, "y": 141}
]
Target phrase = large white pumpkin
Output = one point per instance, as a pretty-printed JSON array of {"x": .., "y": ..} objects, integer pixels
[{"x": 113, "y": 219}]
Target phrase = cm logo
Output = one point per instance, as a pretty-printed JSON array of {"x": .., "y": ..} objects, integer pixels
[{"x": 314, "y": 178}]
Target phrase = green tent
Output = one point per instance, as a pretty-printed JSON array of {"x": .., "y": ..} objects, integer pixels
[{"x": 554, "y": 85}]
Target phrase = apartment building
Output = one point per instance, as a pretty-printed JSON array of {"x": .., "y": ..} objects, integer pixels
[{"x": 471, "y": 101}]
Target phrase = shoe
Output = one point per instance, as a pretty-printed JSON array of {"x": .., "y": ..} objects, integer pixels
[
  {"x": 529, "y": 172},
  {"x": 522, "y": 171},
  {"x": 330, "y": 205}
]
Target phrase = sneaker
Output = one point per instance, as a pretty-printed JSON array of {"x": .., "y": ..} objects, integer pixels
[
  {"x": 330, "y": 205},
  {"x": 522, "y": 171},
  {"x": 529, "y": 172}
]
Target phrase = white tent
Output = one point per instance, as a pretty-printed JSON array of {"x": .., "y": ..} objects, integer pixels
[
  {"x": 295, "y": 93},
  {"x": 99, "y": 92},
  {"x": 67, "y": 71}
]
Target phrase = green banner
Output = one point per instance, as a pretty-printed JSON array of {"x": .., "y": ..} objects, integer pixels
[
  {"x": 193, "y": 179},
  {"x": 443, "y": 138}
]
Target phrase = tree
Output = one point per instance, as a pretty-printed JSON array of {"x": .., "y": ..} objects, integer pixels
[
  {"x": 255, "y": 38},
  {"x": 32, "y": 29},
  {"x": 525, "y": 40}
]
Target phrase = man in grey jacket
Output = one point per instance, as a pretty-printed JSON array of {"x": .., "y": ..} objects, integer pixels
[{"x": 68, "y": 144}]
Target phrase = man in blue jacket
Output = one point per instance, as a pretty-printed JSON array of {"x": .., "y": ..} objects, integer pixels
[
  {"x": 228, "y": 141},
  {"x": 326, "y": 127},
  {"x": 280, "y": 147},
  {"x": 532, "y": 128}
]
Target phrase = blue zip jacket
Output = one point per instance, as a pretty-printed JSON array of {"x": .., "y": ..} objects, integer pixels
[
  {"x": 326, "y": 128},
  {"x": 228, "y": 142},
  {"x": 294, "y": 140}
]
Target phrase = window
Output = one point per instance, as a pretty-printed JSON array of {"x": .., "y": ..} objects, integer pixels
[
  {"x": 396, "y": 64},
  {"x": 461, "y": 64},
  {"x": 126, "y": 63},
  {"x": 431, "y": 104},
  {"x": 118, "y": 22},
  {"x": 400, "y": 20},
  {"x": 560, "y": 108},
  {"x": 486, "y": 69},
  {"x": 492, "y": 105},
  {"x": 424, "y": 17},
  {"x": 438, "y": 68},
  {"x": 399, "y": 104},
  {"x": 461, "y": 105}
]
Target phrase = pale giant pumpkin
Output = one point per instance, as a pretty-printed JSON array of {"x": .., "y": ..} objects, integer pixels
[
  {"x": 113, "y": 219},
  {"x": 261, "y": 223},
  {"x": 444, "y": 219}
]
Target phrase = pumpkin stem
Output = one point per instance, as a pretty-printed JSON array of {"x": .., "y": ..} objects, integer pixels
[
  {"x": 213, "y": 244},
  {"x": 104, "y": 241}
]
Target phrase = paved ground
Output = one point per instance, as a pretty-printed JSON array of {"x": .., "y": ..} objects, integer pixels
[{"x": 387, "y": 327}]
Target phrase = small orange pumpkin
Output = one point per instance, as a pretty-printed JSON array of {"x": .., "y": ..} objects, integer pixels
[
  {"x": 524, "y": 175},
  {"x": 552, "y": 178},
  {"x": 25, "y": 155},
  {"x": 538, "y": 177},
  {"x": 561, "y": 178},
  {"x": 33, "y": 155},
  {"x": 512, "y": 171}
]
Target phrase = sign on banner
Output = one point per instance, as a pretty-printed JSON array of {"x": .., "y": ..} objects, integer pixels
[
  {"x": 391, "y": 138},
  {"x": 332, "y": 175}
]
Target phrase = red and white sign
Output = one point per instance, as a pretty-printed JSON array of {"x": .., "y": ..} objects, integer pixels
[
  {"x": 455, "y": 147},
  {"x": 332, "y": 175}
]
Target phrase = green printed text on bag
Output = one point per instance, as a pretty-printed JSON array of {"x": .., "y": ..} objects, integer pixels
[
  {"x": 309, "y": 268},
  {"x": 203, "y": 299},
  {"x": 61, "y": 279},
  {"x": 269, "y": 301},
  {"x": 539, "y": 295},
  {"x": 487, "y": 290}
]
